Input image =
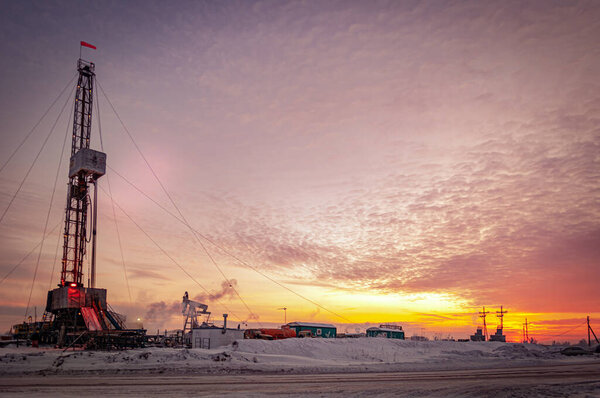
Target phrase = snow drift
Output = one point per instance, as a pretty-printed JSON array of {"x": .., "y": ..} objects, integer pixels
[{"x": 291, "y": 355}]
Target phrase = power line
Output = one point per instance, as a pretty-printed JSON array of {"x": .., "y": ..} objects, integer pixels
[
  {"x": 35, "y": 126},
  {"x": 563, "y": 333},
  {"x": 37, "y": 264},
  {"x": 167, "y": 254},
  {"x": 186, "y": 223},
  {"x": 62, "y": 154},
  {"x": 113, "y": 203},
  {"x": 27, "y": 255},
  {"x": 54, "y": 261},
  {"x": 226, "y": 251},
  {"x": 34, "y": 162}
]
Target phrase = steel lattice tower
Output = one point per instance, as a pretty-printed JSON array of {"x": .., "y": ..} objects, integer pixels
[
  {"x": 483, "y": 314},
  {"x": 82, "y": 313},
  {"x": 500, "y": 314},
  {"x": 75, "y": 235}
]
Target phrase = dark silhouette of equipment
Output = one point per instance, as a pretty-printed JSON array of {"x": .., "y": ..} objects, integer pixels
[
  {"x": 483, "y": 314},
  {"x": 499, "y": 335},
  {"x": 481, "y": 334},
  {"x": 589, "y": 329},
  {"x": 500, "y": 314},
  {"x": 190, "y": 310},
  {"x": 526, "y": 331}
]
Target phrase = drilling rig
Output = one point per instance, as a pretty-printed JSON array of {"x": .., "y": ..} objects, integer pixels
[{"x": 81, "y": 315}]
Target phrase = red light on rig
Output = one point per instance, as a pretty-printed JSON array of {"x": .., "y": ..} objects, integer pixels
[{"x": 73, "y": 284}]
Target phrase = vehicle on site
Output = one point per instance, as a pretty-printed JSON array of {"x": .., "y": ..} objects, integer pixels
[
  {"x": 270, "y": 334},
  {"x": 573, "y": 351}
]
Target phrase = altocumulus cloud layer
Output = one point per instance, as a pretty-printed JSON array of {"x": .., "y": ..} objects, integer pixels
[{"x": 514, "y": 218}]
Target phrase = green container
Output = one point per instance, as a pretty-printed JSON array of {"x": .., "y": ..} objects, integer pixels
[{"x": 307, "y": 329}]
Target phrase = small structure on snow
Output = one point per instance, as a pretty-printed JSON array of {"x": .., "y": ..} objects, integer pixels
[
  {"x": 387, "y": 331},
  {"x": 478, "y": 336},
  {"x": 306, "y": 329}
]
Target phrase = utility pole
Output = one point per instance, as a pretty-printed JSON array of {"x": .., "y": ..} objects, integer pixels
[
  {"x": 500, "y": 314},
  {"x": 483, "y": 314},
  {"x": 284, "y": 314},
  {"x": 592, "y": 331},
  {"x": 526, "y": 330}
]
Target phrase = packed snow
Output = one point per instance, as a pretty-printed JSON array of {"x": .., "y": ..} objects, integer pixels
[{"x": 285, "y": 356}]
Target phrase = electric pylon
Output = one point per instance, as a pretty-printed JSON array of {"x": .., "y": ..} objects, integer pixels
[
  {"x": 500, "y": 314},
  {"x": 483, "y": 314}
]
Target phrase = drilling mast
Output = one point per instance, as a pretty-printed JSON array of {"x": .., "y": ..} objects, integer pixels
[
  {"x": 78, "y": 309},
  {"x": 80, "y": 176},
  {"x": 75, "y": 313}
]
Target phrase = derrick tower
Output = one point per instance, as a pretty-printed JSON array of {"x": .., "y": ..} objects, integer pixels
[
  {"x": 76, "y": 313},
  {"x": 80, "y": 176},
  {"x": 75, "y": 307}
]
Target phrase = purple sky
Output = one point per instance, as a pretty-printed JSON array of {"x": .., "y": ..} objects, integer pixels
[{"x": 356, "y": 151}]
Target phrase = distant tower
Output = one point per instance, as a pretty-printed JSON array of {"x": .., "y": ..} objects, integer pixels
[
  {"x": 526, "y": 331},
  {"x": 483, "y": 314},
  {"x": 500, "y": 314},
  {"x": 499, "y": 336},
  {"x": 284, "y": 314}
]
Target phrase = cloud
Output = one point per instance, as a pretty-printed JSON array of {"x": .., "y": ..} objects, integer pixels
[
  {"x": 227, "y": 291},
  {"x": 251, "y": 317},
  {"x": 314, "y": 314},
  {"x": 502, "y": 217},
  {"x": 146, "y": 274},
  {"x": 160, "y": 312}
]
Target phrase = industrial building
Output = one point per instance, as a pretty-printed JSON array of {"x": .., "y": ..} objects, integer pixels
[
  {"x": 387, "y": 331},
  {"x": 482, "y": 334},
  {"x": 210, "y": 336},
  {"x": 306, "y": 329},
  {"x": 498, "y": 336},
  {"x": 478, "y": 336}
]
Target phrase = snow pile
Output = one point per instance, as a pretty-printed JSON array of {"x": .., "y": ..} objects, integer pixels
[
  {"x": 378, "y": 354},
  {"x": 291, "y": 355}
]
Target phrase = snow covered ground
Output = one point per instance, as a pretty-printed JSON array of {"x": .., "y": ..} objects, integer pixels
[{"x": 285, "y": 356}]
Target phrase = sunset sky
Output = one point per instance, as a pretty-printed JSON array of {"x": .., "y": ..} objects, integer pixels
[{"x": 392, "y": 161}]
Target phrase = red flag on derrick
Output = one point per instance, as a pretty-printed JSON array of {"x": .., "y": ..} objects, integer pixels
[{"x": 83, "y": 43}]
